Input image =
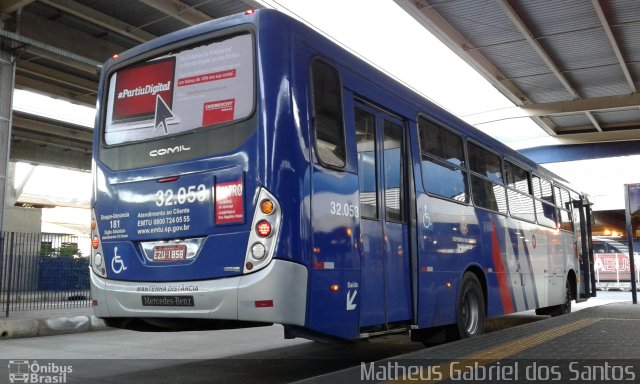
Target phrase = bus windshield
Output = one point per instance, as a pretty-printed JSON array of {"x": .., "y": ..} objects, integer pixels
[{"x": 202, "y": 86}]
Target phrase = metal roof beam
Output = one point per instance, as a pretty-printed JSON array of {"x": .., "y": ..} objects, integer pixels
[
  {"x": 582, "y": 105},
  {"x": 26, "y": 82},
  {"x": 54, "y": 36},
  {"x": 90, "y": 69},
  {"x": 65, "y": 79},
  {"x": 593, "y": 121},
  {"x": 10, "y": 6},
  {"x": 33, "y": 45},
  {"x": 526, "y": 33},
  {"x": 39, "y": 137},
  {"x": 445, "y": 32},
  {"x": 52, "y": 126},
  {"x": 43, "y": 131},
  {"x": 544, "y": 55},
  {"x": 50, "y": 154},
  {"x": 105, "y": 21},
  {"x": 578, "y": 138},
  {"x": 574, "y": 152},
  {"x": 178, "y": 10},
  {"x": 614, "y": 44},
  {"x": 430, "y": 19}
]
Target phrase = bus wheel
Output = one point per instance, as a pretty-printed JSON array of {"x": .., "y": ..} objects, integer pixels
[
  {"x": 565, "y": 308},
  {"x": 470, "y": 311},
  {"x": 558, "y": 310}
]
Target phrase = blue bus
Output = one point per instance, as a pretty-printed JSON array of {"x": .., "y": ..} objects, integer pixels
[{"x": 249, "y": 171}]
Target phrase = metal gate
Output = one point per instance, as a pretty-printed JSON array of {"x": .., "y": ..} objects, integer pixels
[{"x": 41, "y": 271}]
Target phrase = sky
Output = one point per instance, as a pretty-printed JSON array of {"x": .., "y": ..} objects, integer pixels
[{"x": 384, "y": 34}]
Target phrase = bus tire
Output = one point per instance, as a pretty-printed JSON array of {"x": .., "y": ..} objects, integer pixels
[
  {"x": 558, "y": 310},
  {"x": 470, "y": 307}
]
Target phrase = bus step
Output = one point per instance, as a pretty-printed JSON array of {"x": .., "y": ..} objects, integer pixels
[{"x": 398, "y": 330}]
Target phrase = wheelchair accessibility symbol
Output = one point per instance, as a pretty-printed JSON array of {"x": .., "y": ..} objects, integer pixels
[{"x": 117, "y": 265}]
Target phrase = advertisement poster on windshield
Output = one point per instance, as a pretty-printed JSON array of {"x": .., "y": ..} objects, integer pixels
[
  {"x": 137, "y": 89},
  {"x": 197, "y": 87}
]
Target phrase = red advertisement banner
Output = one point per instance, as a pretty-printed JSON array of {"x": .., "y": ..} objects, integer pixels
[
  {"x": 229, "y": 202},
  {"x": 218, "y": 111},
  {"x": 137, "y": 89},
  {"x": 613, "y": 267},
  {"x": 207, "y": 77}
]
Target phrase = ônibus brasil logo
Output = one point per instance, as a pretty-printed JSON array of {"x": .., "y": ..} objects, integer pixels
[{"x": 24, "y": 371}]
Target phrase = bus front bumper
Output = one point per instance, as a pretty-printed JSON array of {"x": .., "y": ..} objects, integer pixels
[{"x": 275, "y": 294}]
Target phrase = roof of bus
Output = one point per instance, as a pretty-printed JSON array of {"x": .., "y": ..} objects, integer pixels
[{"x": 349, "y": 60}]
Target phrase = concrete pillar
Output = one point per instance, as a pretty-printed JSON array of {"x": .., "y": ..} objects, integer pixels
[
  {"x": 7, "y": 76},
  {"x": 19, "y": 219}
]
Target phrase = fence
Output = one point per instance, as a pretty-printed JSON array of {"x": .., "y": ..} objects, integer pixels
[{"x": 43, "y": 271}]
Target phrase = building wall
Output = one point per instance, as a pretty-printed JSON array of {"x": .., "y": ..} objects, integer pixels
[{"x": 18, "y": 219}]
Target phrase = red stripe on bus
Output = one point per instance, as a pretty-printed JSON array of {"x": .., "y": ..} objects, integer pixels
[{"x": 501, "y": 272}]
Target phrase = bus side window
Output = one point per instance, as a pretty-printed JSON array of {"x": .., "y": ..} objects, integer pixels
[
  {"x": 535, "y": 182},
  {"x": 443, "y": 166},
  {"x": 327, "y": 111},
  {"x": 546, "y": 212},
  {"x": 366, "y": 144},
  {"x": 517, "y": 178},
  {"x": 575, "y": 213},
  {"x": 519, "y": 193},
  {"x": 547, "y": 191},
  {"x": 486, "y": 179},
  {"x": 564, "y": 209},
  {"x": 557, "y": 196},
  {"x": 393, "y": 172}
]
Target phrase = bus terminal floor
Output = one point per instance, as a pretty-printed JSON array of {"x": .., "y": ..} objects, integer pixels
[{"x": 596, "y": 344}]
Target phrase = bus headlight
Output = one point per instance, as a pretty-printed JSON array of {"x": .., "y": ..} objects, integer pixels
[{"x": 97, "y": 260}]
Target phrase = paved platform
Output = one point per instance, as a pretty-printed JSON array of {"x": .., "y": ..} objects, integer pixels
[{"x": 597, "y": 344}]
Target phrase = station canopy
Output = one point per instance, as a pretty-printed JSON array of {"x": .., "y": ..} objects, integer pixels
[{"x": 572, "y": 67}]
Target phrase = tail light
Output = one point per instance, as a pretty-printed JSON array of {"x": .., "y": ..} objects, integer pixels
[
  {"x": 263, "y": 228},
  {"x": 264, "y": 234},
  {"x": 258, "y": 251},
  {"x": 266, "y": 206},
  {"x": 97, "y": 256}
]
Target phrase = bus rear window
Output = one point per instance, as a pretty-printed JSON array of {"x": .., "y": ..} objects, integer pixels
[{"x": 207, "y": 85}]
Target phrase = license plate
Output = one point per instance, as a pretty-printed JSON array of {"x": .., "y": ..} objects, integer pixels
[{"x": 169, "y": 252}]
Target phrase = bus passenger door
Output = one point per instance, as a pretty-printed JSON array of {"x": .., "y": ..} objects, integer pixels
[
  {"x": 385, "y": 265},
  {"x": 582, "y": 220}
]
